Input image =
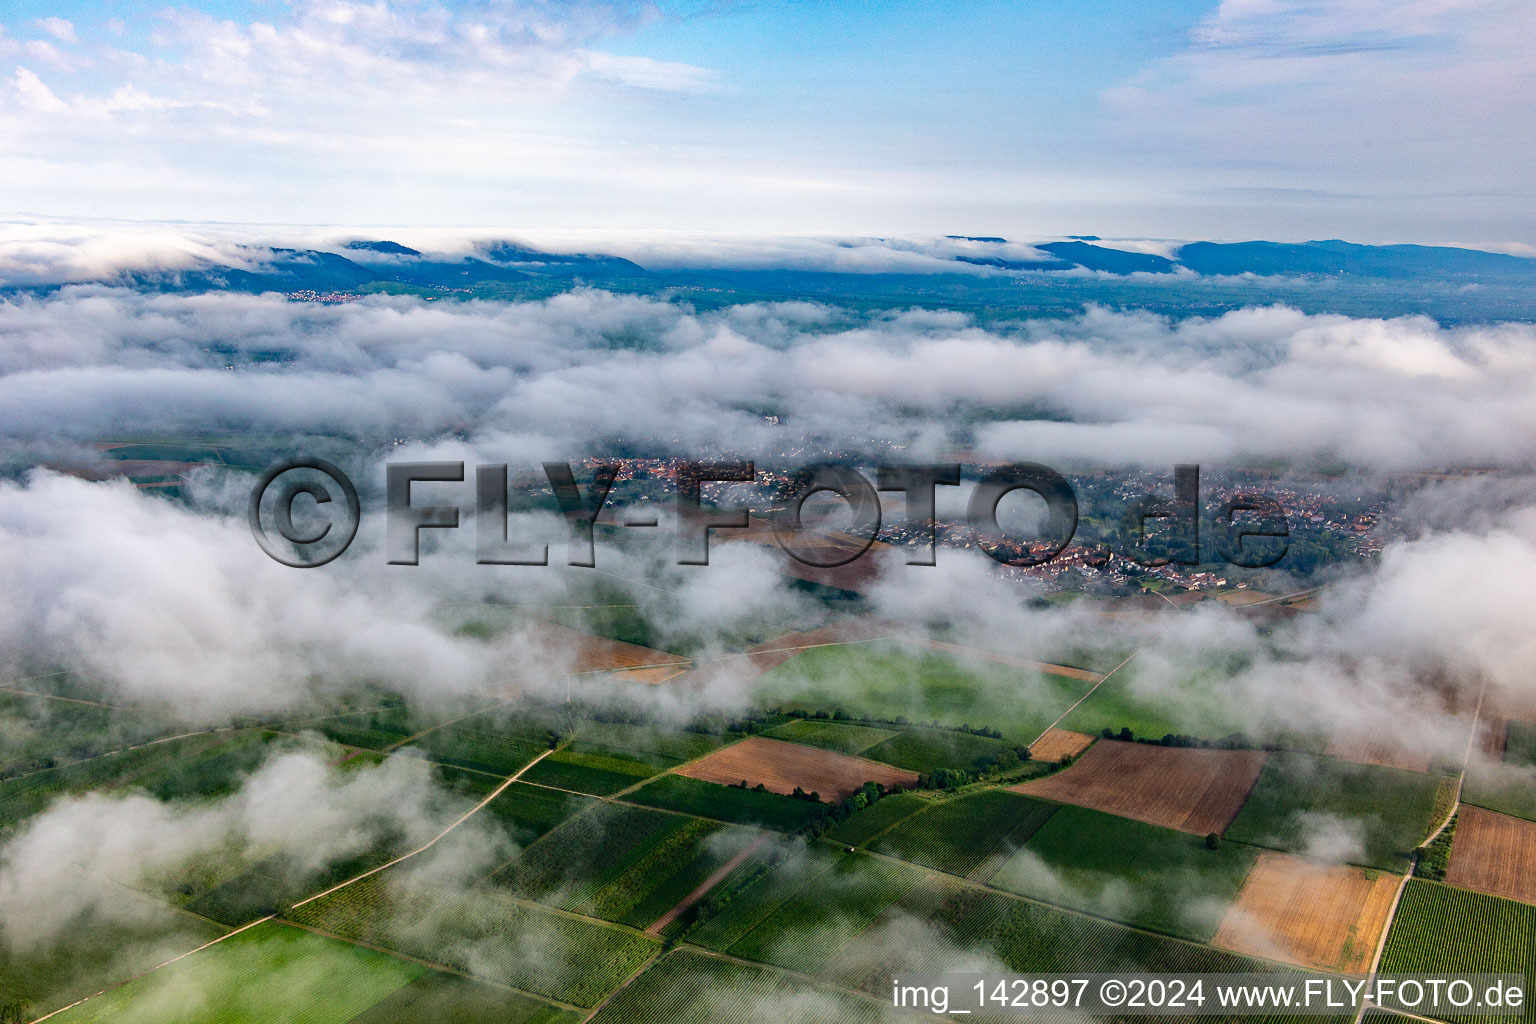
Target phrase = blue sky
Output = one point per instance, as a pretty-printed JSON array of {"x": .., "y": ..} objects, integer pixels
[{"x": 1380, "y": 120}]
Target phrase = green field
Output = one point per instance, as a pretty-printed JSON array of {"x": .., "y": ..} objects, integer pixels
[
  {"x": 876, "y": 818},
  {"x": 571, "y": 864},
  {"x": 858, "y": 920},
  {"x": 270, "y": 884},
  {"x": 1027, "y": 937},
  {"x": 38, "y": 732},
  {"x": 530, "y": 811},
  {"x": 484, "y": 934},
  {"x": 691, "y": 988},
  {"x": 887, "y": 681},
  {"x": 438, "y": 998},
  {"x": 86, "y": 960},
  {"x": 1507, "y": 788},
  {"x": 844, "y": 738},
  {"x": 1520, "y": 745},
  {"x": 207, "y": 764},
  {"x": 475, "y": 746},
  {"x": 1440, "y": 929},
  {"x": 653, "y": 883},
  {"x": 924, "y": 750},
  {"x": 679, "y": 746},
  {"x": 1199, "y": 702},
  {"x": 597, "y": 773},
  {"x": 272, "y": 973},
  {"x": 969, "y": 835},
  {"x": 765, "y": 895},
  {"x": 726, "y": 803},
  {"x": 1360, "y": 813},
  {"x": 375, "y": 730},
  {"x": 823, "y": 904},
  {"x": 1129, "y": 871}
]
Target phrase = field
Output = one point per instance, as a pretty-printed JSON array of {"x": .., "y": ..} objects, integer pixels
[
  {"x": 571, "y": 864},
  {"x": 803, "y": 914},
  {"x": 1128, "y": 871},
  {"x": 969, "y": 835},
  {"x": 657, "y": 883},
  {"x": 645, "y": 739},
  {"x": 105, "y": 954},
  {"x": 692, "y": 988},
  {"x": 1191, "y": 790},
  {"x": 264, "y": 887},
  {"x": 578, "y": 652},
  {"x": 1315, "y": 915},
  {"x": 1441, "y": 929},
  {"x": 530, "y": 811},
  {"x": 438, "y": 998},
  {"x": 1358, "y": 813},
  {"x": 484, "y": 934},
  {"x": 968, "y": 926},
  {"x": 1059, "y": 743},
  {"x": 741, "y": 806},
  {"x": 782, "y": 767},
  {"x": 1068, "y": 671},
  {"x": 1382, "y": 750},
  {"x": 887, "y": 680},
  {"x": 1494, "y": 853},
  {"x": 622, "y": 863},
  {"x": 591, "y": 772},
  {"x": 373, "y": 730},
  {"x": 1506, "y": 788},
  {"x": 1520, "y": 743},
  {"x": 44, "y": 731},
  {"x": 272, "y": 973},
  {"x": 206, "y": 764},
  {"x": 1199, "y": 704},
  {"x": 478, "y": 744},
  {"x": 924, "y": 750},
  {"x": 876, "y": 818},
  {"x": 845, "y": 739}
]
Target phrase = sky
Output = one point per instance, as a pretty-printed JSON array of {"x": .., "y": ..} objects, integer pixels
[{"x": 1374, "y": 120}]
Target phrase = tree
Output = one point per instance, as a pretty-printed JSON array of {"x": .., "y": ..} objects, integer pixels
[{"x": 1212, "y": 841}]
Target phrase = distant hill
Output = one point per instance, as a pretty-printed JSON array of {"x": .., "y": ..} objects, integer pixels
[
  {"x": 374, "y": 262},
  {"x": 1113, "y": 261},
  {"x": 1332, "y": 257}
]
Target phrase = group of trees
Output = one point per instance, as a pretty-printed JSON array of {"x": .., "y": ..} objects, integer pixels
[
  {"x": 900, "y": 721},
  {"x": 1231, "y": 741},
  {"x": 850, "y": 805},
  {"x": 984, "y": 768},
  {"x": 1434, "y": 857}
]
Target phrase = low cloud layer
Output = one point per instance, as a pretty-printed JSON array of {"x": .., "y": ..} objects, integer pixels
[{"x": 554, "y": 378}]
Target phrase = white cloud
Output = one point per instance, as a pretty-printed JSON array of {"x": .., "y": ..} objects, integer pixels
[
  {"x": 1396, "y": 101},
  {"x": 60, "y": 28}
]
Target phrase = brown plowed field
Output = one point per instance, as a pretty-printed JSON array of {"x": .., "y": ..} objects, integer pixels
[
  {"x": 585, "y": 652},
  {"x": 1192, "y": 790},
  {"x": 1494, "y": 853},
  {"x": 1382, "y": 750},
  {"x": 781, "y": 767},
  {"x": 1303, "y": 912},
  {"x": 651, "y": 675},
  {"x": 1059, "y": 743}
]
